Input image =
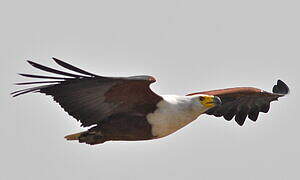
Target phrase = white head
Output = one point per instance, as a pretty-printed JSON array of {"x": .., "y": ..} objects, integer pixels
[{"x": 204, "y": 102}]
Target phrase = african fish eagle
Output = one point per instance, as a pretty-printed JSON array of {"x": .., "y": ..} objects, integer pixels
[{"x": 125, "y": 108}]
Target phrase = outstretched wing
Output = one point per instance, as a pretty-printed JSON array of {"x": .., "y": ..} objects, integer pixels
[
  {"x": 91, "y": 98},
  {"x": 245, "y": 101}
]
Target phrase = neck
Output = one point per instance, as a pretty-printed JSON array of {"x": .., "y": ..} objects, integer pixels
[{"x": 173, "y": 113}]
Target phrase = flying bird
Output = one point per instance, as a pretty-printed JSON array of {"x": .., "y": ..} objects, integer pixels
[{"x": 125, "y": 108}]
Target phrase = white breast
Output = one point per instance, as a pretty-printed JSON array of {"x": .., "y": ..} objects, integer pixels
[{"x": 173, "y": 113}]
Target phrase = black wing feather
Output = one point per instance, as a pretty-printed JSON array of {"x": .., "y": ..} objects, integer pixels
[
  {"x": 281, "y": 88},
  {"x": 42, "y": 77},
  {"x": 29, "y": 90},
  {"x": 44, "y": 68},
  {"x": 37, "y": 82},
  {"x": 71, "y": 67}
]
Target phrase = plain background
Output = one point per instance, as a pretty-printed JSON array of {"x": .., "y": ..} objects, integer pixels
[{"x": 188, "y": 46}]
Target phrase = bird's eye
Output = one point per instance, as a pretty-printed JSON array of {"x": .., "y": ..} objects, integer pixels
[{"x": 201, "y": 98}]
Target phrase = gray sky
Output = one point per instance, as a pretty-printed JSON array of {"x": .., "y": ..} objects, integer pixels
[{"x": 188, "y": 46}]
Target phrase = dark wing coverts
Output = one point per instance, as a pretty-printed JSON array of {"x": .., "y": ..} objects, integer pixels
[
  {"x": 91, "y": 98},
  {"x": 244, "y": 101}
]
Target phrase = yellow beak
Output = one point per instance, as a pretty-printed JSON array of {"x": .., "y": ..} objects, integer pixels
[{"x": 211, "y": 101}]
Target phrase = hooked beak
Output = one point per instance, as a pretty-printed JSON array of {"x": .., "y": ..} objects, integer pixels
[
  {"x": 217, "y": 100},
  {"x": 212, "y": 101}
]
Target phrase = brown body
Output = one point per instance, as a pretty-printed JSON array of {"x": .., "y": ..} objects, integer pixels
[{"x": 120, "y": 127}]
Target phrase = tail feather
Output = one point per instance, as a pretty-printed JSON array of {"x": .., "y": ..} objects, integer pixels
[
  {"x": 73, "y": 137},
  {"x": 88, "y": 137}
]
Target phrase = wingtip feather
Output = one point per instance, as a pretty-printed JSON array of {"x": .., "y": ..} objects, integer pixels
[
  {"x": 73, "y": 68},
  {"x": 55, "y": 59},
  {"x": 281, "y": 88},
  {"x": 30, "y": 62}
]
